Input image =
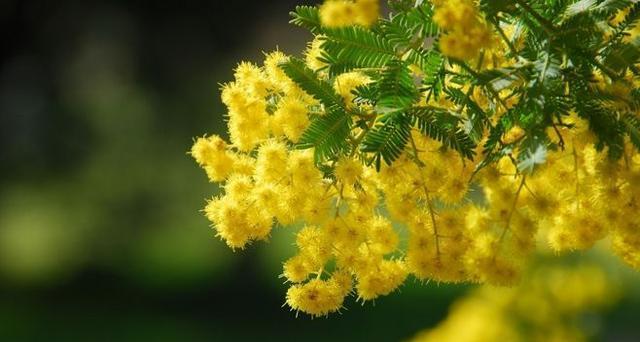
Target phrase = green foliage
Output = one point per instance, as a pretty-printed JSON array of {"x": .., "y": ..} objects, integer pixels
[
  {"x": 306, "y": 17},
  {"x": 432, "y": 66},
  {"x": 632, "y": 126},
  {"x": 557, "y": 49},
  {"x": 388, "y": 139},
  {"x": 327, "y": 134},
  {"x": 310, "y": 82},
  {"x": 442, "y": 126},
  {"x": 404, "y": 29},
  {"x": 395, "y": 88},
  {"x": 356, "y": 47}
]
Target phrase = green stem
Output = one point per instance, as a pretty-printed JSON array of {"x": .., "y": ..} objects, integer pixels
[
  {"x": 427, "y": 196},
  {"x": 513, "y": 209}
]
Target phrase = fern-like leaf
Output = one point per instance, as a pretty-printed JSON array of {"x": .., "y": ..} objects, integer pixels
[
  {"x": 403, "y": 28},
  {"x": 388, "y": 139},
  {"x": 307, "y": 79},
  {"x": 632, "y": 125},
  {"x": 357, "y": 46},
  {"x": 306, "y": 17},
  {"x": 434, "y": 75},
  {"x": 396, "y": 88},
  {"x": 444, "y": 127},
  {"x": 327, "y": 134}
]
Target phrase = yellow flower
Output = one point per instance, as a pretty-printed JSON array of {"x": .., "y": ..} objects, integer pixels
[
  {"x": 316, "y": 297},
  {"x": 346, "y": 83},
  {"x": 348, "y": 170},
  {"x": 337, "y": 13}
]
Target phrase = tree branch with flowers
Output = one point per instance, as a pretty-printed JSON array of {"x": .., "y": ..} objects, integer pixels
[{"x": 447, "y": 142}]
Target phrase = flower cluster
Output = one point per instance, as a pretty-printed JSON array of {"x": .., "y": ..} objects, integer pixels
[
  {"x": 429, "y": 214},
  {"x": 577, "y": 197},
  {"x": 338, "y": 13},
  {"x": 466, "y": 33},
  {"x": 581, "y": 197},
  {"x": 550, "y": 304}
]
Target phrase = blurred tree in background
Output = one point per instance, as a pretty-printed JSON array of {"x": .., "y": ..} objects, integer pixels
[{"x": 100, "y": 238}]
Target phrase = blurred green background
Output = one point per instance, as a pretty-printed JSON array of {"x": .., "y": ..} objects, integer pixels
[{"x": 101, "y": 237}]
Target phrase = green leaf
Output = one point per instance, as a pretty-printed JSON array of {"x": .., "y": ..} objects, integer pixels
[
  {"x": 603, "y": 123},
  {"x": 327, "y": 134},
  {"x": 442, "y": 126},
  {"x": 493, "y": 7},
  {"x": 434, "y": 73},
  {"x": 579, "y": 7},
  {"x": 501, "y": 78},
  {"x": 366, "y": 94},
  {"x": 607, "y": 8},
  {"x": 307, "y": 79},
  {"x": 405, "y": 26},
  {"x": 632, "y": 124},
  {"x": 306, "y": 17},
  {"x": 396, "y": 88},
  {"x": 495, "y": 135},
  {"x": 387, "y": 139},
  {"x": 475, "y": 115},
  {"x": 623, "y": 56},
  {"x": 458, "y": 97},
  {"x": 357, "y": 46},
  {"x": 547, "y": 66},
  {"x": 429, "y": 61},
  {"x": 631, "y": 18}
]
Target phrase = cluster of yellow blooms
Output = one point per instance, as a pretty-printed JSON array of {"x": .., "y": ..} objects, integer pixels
[
  {"x": 465, "y": 31},
  {"x": 582, "y": 196},
  {"x": 338, "y": 13},
  {"x": 365, "y": 231},
  {"x": 546, "y": 306}
]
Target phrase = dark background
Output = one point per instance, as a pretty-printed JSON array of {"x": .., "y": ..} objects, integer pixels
[{"x": 101, "y": 237}]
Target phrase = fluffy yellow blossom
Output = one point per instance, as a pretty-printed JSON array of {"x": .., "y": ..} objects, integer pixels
[
  {"x": 316, "y": 297},
  {"x": 386, "y": 277},
  {"x": 337, "y": 13},
  {"x": 211, "y": 153},
  {"x": 465, "y": 32},
  {"x": 291, "y": 116},
  {"x": 297, "y": 268},
  {"x": 348, "y": 170},
  {"x": 313, "y": 54},
  {"x": 346, "y": 83},
  {"x": 362, "y": 229},
  {"x": 551, "y": 303},
  {"x": 277, "y": 78},
  {"x": 576, "y": 200}
]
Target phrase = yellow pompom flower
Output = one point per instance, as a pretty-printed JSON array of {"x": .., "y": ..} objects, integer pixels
[
  {"x": 211, "y": 153},
  {"x": 382, "y": 237},
  {"x": 367, "y": 12},
  {"x": 338, "y": 13},
  {"x": 465, "y": 33},
  {"x": 549, "y": 303},
  {"x": 348, "y": 170},
  {"x": 382, "y": 280},
  {"x": 346, "y": 83},
  {"x": 291, "y": 116},
  {"x": 316, "y": 297},
  {"x": 276, "y": 76},
  {"x": 313, "y": 53},
  {"x": 272, "y": 156},
  {"x": 575, "y": 230},
  {"x": 430, "y": 214},
  {"x": 297, "y": 269}
]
